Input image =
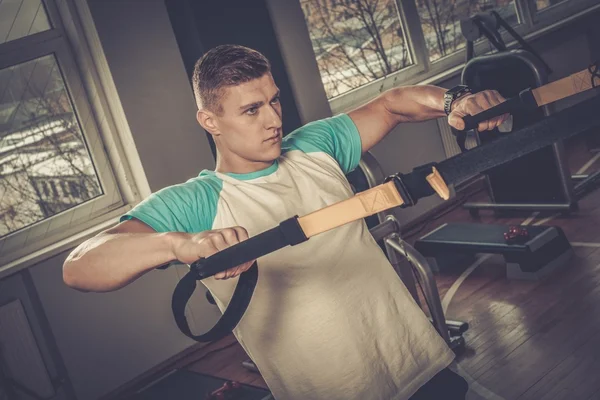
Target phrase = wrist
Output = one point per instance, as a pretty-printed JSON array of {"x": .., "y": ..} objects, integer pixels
[
  {"x": 173, "y": 241},
  {"x": 452, "y": 96},
  {"x": 459, "y": 100}
]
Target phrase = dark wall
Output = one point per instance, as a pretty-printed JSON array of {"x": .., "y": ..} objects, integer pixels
[{"x": 202, "y": 25}]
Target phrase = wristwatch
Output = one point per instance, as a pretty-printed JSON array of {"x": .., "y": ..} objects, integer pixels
[{"x": 453, "y": 94}]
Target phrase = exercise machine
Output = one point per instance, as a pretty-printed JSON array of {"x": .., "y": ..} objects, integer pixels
[
  {"x": 540, "y": 180},
  {"x": 530, "y": 252}
]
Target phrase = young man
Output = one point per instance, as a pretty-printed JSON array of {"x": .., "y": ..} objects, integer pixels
[{"x": 329, "y": 319}]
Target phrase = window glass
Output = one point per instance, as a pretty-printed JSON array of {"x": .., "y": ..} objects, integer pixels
[
  {"x": 42, "y": 150},
  {"x": 355, "y": 41},
  {"x": 440, "y": 20},
  {"x": 539, "y": 5},
  {"x": 20, "y": 18}
]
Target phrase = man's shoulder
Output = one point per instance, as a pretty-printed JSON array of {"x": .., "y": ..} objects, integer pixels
[
  {"x": 322, "y": 123},
  {"x": 336, "y": 136},
  {"x": 204, "y": 188},
  {"x": 314, "y": 135},
  {"x": 189, "y": 206}
]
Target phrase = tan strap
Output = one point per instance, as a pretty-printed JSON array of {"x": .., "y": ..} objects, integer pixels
[
  {"x": 386, "y": 196},
  {"x": 565, "y": 87},
  {"x": 363, "y": 204}
]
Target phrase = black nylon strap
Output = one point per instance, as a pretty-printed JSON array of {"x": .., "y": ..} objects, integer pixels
[
  {"x": 559, "y": 126},
  {"x": 233, "y": 314},
  {"x": 594, "y": 70}
]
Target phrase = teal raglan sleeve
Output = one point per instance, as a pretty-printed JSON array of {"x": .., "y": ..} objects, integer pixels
[
  {"x": 336, "y": 136},
  {"x": 188, "y": 207}
]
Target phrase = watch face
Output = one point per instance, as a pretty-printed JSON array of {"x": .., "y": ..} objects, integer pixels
[
  {"x": 457, "y": 89},
  {"x": 451, "y": 95}
]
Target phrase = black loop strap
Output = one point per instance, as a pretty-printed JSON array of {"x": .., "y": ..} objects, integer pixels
[
  {"x": 594, "y": 72},
  {"x": 235, "y": 310},
  {"x": 288, "y": 233}
]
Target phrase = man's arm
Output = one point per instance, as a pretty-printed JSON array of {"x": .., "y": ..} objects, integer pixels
[
  {"x": 378, "y": 117},
  {"x": 120, "y": 255}
]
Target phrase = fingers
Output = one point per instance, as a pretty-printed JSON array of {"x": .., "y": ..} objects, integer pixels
[
  {"x": 241, "y": 234},
  {"x": 496, "y": 98},
  {"x": 490, "y": 101},
  {"x": 477, "y": 104},
  {"x": 455, "y": 119},
  {"x": 226, "y": 238},
  {"x": 220, "y": 243}
]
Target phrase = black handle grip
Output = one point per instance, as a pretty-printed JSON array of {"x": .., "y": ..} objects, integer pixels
[
  {"x": 506, "y": 107},
  {"x": 524, "y": 101},
  {"x": 233, "y": 256},
  {"x": 289, "y": 232}
]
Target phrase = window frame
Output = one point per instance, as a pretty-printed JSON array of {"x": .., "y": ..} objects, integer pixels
[
  {"x": 531, "y": 25},
  {"x": 58, "y": 232}
]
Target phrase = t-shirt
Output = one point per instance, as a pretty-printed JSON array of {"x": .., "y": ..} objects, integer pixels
[{"x": 329, "y": 318}]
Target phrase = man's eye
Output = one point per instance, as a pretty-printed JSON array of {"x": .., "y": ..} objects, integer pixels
[
  {"x": 275, "y": 100},
  {"x": 251, "y": 111}
]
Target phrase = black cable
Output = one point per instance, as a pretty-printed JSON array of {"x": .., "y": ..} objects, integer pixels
[{"x": 594, "y": 72}]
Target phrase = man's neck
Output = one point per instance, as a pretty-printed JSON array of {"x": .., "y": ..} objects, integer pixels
[{"x": 225, "y": 166}]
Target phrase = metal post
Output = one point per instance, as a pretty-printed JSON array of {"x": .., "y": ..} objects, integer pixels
[
  {"x": 387, "y": 228},
  {"x": 429, "y": 287}
]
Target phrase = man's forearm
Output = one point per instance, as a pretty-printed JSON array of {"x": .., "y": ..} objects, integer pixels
[
  {"x": 112, "y": 260},
  {"x": 380, "y": 116},
  {"x": 415, "y": 103}
]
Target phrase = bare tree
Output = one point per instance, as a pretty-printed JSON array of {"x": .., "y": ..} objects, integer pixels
[
  {"x": 360, "y": 41},
  {"x": 440, "y": 20}
]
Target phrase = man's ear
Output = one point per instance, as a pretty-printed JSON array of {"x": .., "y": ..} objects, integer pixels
[{"x": 207, "y": 120}]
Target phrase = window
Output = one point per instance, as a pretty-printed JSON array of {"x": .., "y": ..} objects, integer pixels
[
  {"x": 20, "y": 18},
  {"x": 440, "y": 21},
  {"x": 539, "y": 5},
  {"x": 358, "y": 42},
  {"x": 40, "y": 140},
  {"x": 54, "y": 174}
]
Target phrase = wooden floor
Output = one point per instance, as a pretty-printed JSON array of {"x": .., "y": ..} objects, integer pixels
[{"x": 527, "y": 340}]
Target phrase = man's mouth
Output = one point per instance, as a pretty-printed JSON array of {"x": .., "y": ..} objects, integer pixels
[{"x": 274, "y": 138}]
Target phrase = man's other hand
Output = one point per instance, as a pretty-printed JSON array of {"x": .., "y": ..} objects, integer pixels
[
  {"x": 472, "y": 104},
  {"x": 188, "y": 248}
]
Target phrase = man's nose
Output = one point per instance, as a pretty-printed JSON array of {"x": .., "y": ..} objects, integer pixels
[{"x": 273, "y": 118}]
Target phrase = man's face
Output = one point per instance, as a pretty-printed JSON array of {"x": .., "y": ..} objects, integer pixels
[{"x": 249, "y": 126}]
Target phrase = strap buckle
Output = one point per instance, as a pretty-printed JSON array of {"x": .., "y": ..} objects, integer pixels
[{"x": 414, "y": 185}]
